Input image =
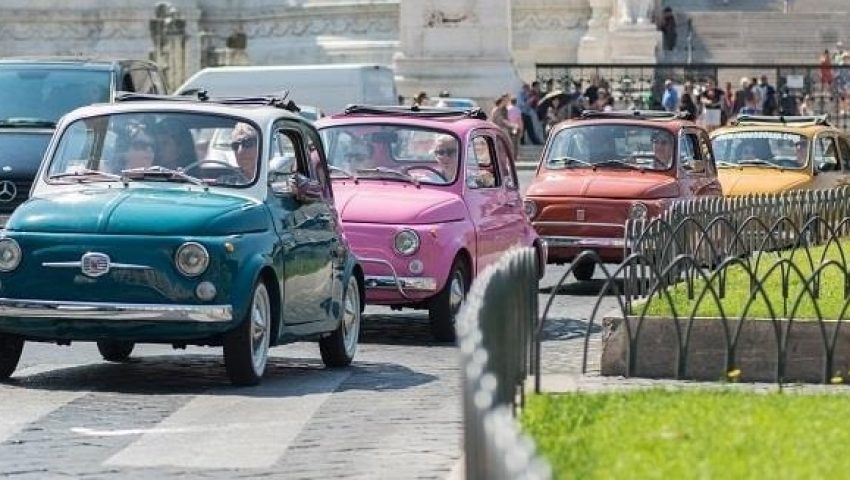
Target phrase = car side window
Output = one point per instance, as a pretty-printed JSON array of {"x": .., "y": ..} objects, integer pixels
[
  {"x": 690, "y": 154},
  {"x": 707, "y": 155},
  {"x": 142, "y": 81},
  {"x": 318, "y": 167},
  {"x": 127, "y": 82},
  {"x": 285, "y": 156},
  {"x": 481, "y": 170},
  {"x": 506, "y": 166},
  {"x": 826, "y": 155},
  {"x": 844, "y": 146}
]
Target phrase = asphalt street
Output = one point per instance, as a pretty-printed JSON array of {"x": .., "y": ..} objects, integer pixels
[{"x": 396, "y": 413}]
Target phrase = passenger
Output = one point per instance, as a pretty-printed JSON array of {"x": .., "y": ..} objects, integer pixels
[
  {"x": 175, "y": 147},
  {"x": 134, "y": 148},
  {"x": 801, "y": 147}
]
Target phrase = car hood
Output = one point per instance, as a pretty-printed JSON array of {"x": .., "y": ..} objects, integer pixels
[
  {"x": 603, "y": 184},
  {"x": 393, "y": 203},
  {"x": 737, "y": 181},
  {"x": 21, "y": 152},
  {"x": 140, "y": 211}
]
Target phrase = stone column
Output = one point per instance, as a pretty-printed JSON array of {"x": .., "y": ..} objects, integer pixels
[
  {"x": 460, "y": 46},
  {"x": 593, "y": 47},
  {"x": 168, "y": 32},
  {"x": 633, "y": 36}
]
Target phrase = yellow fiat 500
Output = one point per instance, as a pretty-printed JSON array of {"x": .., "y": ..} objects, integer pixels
[{"x": 773, "y": 154}]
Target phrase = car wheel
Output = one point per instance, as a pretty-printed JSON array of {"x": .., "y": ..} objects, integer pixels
[
  {"x": 584, "y": 271},
  {"x": 246, "y": 348},
  {"x": 11, "y": 347},
  {"x": 444, "y": 307},
  {"x": 339, "y": 347},
  {"x": 115, "y": 350}
]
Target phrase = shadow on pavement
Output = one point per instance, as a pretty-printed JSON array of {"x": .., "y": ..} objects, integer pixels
[
  {"x": 200, "y": 374},
  {"x": 590, "y": 288},
  {"x": 567, "y": 329}
]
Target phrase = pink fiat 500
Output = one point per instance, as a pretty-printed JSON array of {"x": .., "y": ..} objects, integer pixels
[{"x": 427, "y": 198}]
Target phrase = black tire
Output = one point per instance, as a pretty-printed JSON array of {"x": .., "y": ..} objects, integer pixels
[
  {"x": 443, "y": 308},
  {"x": 11, "y": 347},
  {"x": 115, "y": 350},
  {"x": 246, "y": 348},
  {"x": 584, "y": 271},
  {"x": 338, "y": 348}
]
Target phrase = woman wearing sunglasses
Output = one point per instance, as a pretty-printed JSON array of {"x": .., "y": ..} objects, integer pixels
[
  {"x": 135, "y": 148},
  {"x": 244, "y": 145}
]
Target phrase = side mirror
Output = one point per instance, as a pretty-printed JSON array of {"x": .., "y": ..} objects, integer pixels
[{"x": 695, "y": 166}]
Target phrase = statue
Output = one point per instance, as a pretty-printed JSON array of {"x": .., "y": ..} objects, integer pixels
[{"x": 631, "y": 12}]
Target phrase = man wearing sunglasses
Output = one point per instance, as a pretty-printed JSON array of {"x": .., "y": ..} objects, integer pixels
[{"x": 244, "y": 145}]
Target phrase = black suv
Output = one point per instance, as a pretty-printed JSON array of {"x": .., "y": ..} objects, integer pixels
[{"x": 36, "y": 92}]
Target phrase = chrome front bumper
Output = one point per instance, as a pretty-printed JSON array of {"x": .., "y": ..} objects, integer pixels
[
  {"x": 118, "y": 312},
  {"x": 589, "y": 242},
  {"x": 420, "y": 284}
]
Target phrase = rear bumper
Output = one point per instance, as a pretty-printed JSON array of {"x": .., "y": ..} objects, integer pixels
[{"x": 115, "y": 312}]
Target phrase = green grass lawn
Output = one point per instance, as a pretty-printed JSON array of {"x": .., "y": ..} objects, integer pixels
[
  {"x": 831, "y": 300},
  {"x": 707, "y": 434}
]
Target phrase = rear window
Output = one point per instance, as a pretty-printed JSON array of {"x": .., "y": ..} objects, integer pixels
[{"x": 38, "y": 95}]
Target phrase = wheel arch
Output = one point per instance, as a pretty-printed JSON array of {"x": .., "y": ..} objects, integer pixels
[{"x": 268, "y": 277}]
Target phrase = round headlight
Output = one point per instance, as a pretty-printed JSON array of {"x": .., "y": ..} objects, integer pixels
[
  {"x": 192, "y": 259},
  {"x": 638, "y": 211},
  {"x": 10, "y": 255},
  {"x": 406, "y": 242},
  {"x": 530, "y": 208}
]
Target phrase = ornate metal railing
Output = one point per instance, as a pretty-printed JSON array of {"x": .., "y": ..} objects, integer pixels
[
  {"x": 641, "y": 85},
  {"x": 784, "y": 260},
  {"x": 495, "y": 332}
]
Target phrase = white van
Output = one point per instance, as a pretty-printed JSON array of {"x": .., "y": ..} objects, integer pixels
[{"x": 328, "y": 87}]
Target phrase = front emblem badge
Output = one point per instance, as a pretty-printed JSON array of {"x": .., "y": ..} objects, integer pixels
[
  {"x": 8, "y": 191},
  {"x": 95, "y": 264},
  {"x": 580, "y": 214}
]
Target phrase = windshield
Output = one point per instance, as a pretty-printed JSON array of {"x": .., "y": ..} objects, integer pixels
[
  {"x": 772, "y": 149},
  {"x": 611, "y": 146},
  {"x": 40, "y": 96},
  {"x": 391, "y": 152},
  {"x": 214, "y": 149}
]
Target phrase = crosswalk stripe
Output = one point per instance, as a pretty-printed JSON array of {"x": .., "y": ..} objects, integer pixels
[
  {"x": 22, "y": 406},
  {"x": 228, "y": 428}
]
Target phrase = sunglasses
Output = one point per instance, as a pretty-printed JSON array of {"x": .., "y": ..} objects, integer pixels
[
  {"x": 247, "y": 142},
  {"x": 141, "y": 145},
  {"x": 445, "y": 152}
]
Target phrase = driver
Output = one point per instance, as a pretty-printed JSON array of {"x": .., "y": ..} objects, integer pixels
[
  {"x": 662, "y": 150},
  {"x": 445, "y": 153},
  {"x": 244, "y": 144}
]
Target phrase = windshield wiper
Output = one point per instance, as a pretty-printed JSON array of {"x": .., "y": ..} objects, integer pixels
[
  {"x": 86, "y": 174},
  {"x": 25, "y": 122},
  {"x": 757, "y": 161},
  {"x": 617, "y": 163},
  {"x": 162, "y": 172},
  {"x": 334, "y": 168},
  {"x": 392, "y": 171},
  {"x": 569, "y": 160}
]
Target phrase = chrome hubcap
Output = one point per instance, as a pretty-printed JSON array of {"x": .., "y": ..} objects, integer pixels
[
  {"x": 351, "y": 318},
  {"x": 456, "y": 292},
  {"x": 260, "y": 313}
]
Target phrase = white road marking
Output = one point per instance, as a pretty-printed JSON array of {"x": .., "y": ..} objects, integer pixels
[
  {"x": 20, "y": 406},
  {"x": 226, "y": 428}
]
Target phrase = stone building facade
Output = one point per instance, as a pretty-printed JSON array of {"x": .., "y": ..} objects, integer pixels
[{"x": 502, "y": 39}]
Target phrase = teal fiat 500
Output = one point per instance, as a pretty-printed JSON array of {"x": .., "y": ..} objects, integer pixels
[{"x": 178, "y": 221}]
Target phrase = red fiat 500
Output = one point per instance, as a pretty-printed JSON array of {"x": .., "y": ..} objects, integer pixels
[{"x": 606, "y": 167}]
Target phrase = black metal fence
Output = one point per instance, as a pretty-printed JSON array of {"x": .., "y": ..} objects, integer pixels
[
  {"x": 495, "y": 332},
  {"x": 811, "y": 89},
  {"x": 781, "y": 259}
]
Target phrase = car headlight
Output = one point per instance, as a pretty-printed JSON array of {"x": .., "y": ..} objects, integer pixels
[
  {"x": 406, "y": 242},
  {"x": 638, "y": 211},
  {"x": 530, "y": 208},
  {"x": 192, "y": 259},
  {"x": 10, "y": 254}
]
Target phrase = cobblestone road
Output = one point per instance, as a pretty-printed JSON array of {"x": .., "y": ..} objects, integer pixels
[{"x": 394, "y": 414}]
